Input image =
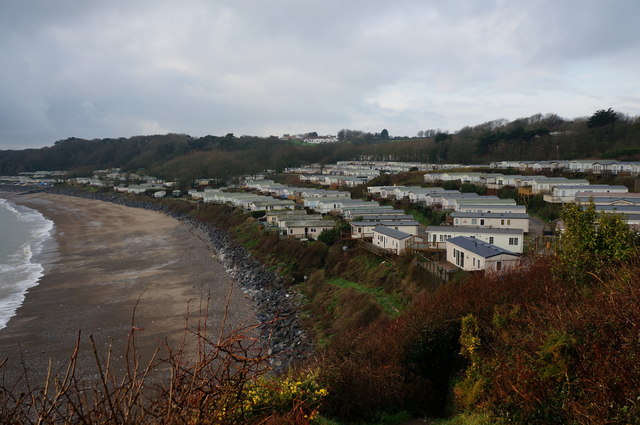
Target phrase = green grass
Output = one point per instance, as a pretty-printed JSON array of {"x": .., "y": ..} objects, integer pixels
[
  {"x": 390, "y": 305},
  {"x": 371, "y": 261}
]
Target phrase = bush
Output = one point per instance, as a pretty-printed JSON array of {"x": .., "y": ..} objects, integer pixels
[{"x": 329, "y": 236}]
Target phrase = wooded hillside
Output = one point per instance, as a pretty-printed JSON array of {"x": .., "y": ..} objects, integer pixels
[{"x": 606, "y": 134}]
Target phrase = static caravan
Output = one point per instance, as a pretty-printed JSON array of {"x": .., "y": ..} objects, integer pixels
[
  {"x": 471, "y": 255},
  {"x": 390, "y": 239},
  {"x": 508, "y": 239},
  {"x": 492, "y": 220}
]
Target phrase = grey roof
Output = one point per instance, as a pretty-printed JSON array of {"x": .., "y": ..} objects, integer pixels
[
  {"x": 393, "y": 233},
  {"x": 628, "y": 209},
  {"x": 310, "y": 223},
  {"x": 591, "y": 187},
  {"x": 488, "y": 215},
  {"x": 609, "y": 198},
  {"x": 286, "y": 212},
  {"x": 389, "y": 222},
  {"x": 354, "y": 202},
  {"x": 364, "y": 211},
  {"x": 299, "y": 217},
  {"x": 457, "y": 195},
  {"x": 380, "y": 217},
  {"x": 493, "y": 206},
  {"x": 460, "y": 229},
  {"x": 483, "y": 249},
  {"x": 369, "y": 208}
]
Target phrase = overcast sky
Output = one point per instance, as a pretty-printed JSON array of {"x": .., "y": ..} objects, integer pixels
[{"x": 95, "y": 69}]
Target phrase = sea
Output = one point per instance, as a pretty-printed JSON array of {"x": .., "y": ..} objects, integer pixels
[{"x": 23, "y": 234}]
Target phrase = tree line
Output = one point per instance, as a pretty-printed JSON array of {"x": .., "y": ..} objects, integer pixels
[{"x": 605, "y": 134}]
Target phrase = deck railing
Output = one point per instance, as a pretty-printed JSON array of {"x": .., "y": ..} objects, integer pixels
[
  {"x": 435, "y": 269},
  {"x": 381, "y": 252}
]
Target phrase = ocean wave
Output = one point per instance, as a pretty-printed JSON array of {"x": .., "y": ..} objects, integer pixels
[{"x": 21, "y": 271}]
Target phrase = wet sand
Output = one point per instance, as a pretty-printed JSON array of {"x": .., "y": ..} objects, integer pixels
[{"x": 103, "y": 259}]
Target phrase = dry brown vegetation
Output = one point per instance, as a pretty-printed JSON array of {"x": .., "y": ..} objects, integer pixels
[{"x": 228, "y": 381}]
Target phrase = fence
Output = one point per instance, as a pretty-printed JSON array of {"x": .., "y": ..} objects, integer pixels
[
  {"x": 442, "y": 273},
  {"x": 381, "y": 252}
]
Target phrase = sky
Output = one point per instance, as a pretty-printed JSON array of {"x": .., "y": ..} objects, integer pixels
[{"x": 96, "y": 69}]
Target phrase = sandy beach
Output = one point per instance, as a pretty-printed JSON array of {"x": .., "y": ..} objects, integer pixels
[{"x": 103, "y": 258}]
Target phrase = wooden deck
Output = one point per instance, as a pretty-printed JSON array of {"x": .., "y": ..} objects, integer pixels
[
  {"x": 419, "y": 244},
  {"x": 380, "y": 252},
  {"x": 442, "y": 270}
]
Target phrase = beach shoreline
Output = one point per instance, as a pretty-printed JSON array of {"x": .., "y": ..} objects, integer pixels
[{"x": 108, "y": 261}]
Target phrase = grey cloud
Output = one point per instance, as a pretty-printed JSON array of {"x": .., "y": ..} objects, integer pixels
[{"x": 108, "y": 69}]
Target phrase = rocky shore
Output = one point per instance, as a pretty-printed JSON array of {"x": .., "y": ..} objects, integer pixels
[{"x": 277, "y": 306}]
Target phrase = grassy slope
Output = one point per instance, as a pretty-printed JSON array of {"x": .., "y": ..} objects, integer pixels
[{"x": 541, "y": 327}]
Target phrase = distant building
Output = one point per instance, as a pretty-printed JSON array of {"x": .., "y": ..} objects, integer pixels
[{"x": 321, "y": 139}]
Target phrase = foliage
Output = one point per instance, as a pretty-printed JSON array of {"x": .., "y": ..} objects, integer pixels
[
  {"x": 472, "y": 188},
  {"x": 290, "y": 398},
  {"x": 329, "y": 236},
  {"x": 450, "y": 185},
  {"x": 475, "y": 418},
  {"x": 620, "y": 153},
  {"x": 390, "y": 304},
  {"x": 471, "y": 387},
  {"x": 426, "y": 215},
  {"x": 591, "y": 243},
  {"x": 602, "y": 117},
  {"x": 545, "y": 210},
  {"x": 224, "y": 382}
]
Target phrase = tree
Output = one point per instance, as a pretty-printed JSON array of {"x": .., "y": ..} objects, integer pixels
[
  {"x": 384, "y": 134},
  {"x": 601, "y": 118},
  {"x": 441, "y": 136},
  {"x": 591, "y": 243},
  {"x": 329, "y": 236}
]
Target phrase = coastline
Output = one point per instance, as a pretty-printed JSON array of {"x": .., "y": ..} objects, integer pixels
[{"x": 107, "y": 257}]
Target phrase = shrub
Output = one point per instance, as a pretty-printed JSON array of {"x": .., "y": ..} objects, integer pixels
[{"x": 329, "y": 236}]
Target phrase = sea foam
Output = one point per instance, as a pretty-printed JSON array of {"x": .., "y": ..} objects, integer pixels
[{"x": 23, "y": 233}]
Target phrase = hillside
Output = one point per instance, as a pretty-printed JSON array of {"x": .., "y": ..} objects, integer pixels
[
  {"x": 606, "y": 134},
  {"x": 553, "y": 343}
]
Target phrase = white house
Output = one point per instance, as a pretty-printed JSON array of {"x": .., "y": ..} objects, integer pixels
[
  {"x": 563, "y": 194},
  {"x": 271, "y": 204},
  {"x": 325, "y": 207},
  {"x": 314, "y": 201},
  {"x": 508, "y": 239},
  {"x": 351, "y": 213},
  {"x": 472, "y": 254},
  {"x": 384, "y": 217},
  {"x": 492, "y": 208},
  {"x": 364, "y": 229},
  {"x": 481, "y": 200},
  {"x": 492, "y": 220},
  {"x": 608, "y": 198},
  {"x": 508, "y": 180},
  {"x": 391, "y": 239},
  {"x": 274, "y": 217},
  {"x": 309, "y": 229},
  {"x": 619, "y": 209},
  {"x": 282, "y": 221},
  {"x": 440, "y": 197}
]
